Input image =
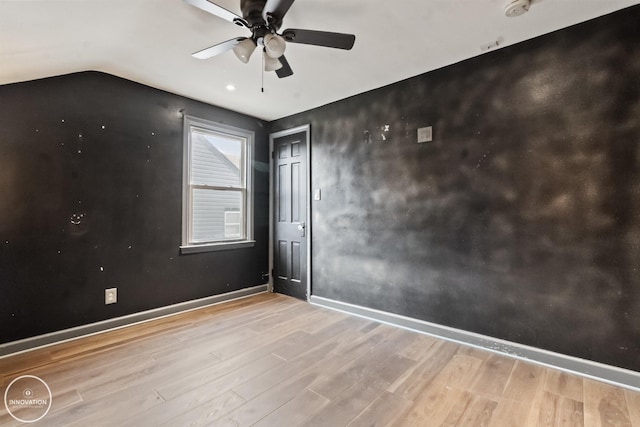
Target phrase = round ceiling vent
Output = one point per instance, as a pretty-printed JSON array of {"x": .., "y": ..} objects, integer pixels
[{"x": 516, "y": 7}]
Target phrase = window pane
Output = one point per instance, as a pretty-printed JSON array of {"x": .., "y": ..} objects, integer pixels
[
  {"x": 216, "y": 159},
  {"x": 217, "y": 184},
  {"x": 210, "y": 209}
]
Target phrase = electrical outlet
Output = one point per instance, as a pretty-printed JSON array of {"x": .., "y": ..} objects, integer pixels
[
  {"x": 111, "y": 296},
  {"x": 425, "y": 134}
]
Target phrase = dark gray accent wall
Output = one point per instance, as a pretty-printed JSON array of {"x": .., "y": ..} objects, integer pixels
[
  {"x": 91, "y": 198},
  {"x": 520, "y": 221}
]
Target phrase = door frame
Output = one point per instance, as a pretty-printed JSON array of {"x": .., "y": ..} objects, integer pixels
[{"x": 307, "y": 129}]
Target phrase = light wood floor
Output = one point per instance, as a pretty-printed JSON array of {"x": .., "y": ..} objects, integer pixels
[{"x": 269, "y": 360}]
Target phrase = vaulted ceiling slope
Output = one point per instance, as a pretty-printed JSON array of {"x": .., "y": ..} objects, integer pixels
[{"x": 151, "y": 41}]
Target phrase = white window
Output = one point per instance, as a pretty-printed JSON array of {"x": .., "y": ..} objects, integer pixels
[{"x": 217, "y": 208}]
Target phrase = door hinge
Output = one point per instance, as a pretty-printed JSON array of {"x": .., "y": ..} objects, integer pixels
[{"x": 273, "y": 154}]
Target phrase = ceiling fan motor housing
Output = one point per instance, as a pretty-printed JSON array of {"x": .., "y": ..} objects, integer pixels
[
  {"x": 516, "y": 7},
  {"x": 252, "y": 13}
]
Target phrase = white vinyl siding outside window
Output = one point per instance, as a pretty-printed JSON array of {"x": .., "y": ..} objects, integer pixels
[
  {"x": 232, "y": 224},
  {"x": 217, "y": 187}
]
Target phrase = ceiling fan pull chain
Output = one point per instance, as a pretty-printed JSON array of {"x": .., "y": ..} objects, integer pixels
[{"x": 262, "y": 68}]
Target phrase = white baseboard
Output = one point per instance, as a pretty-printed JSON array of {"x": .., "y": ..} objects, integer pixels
[
  {"x": 585, "y": 368},
  {"x": 27, "y": 344}
]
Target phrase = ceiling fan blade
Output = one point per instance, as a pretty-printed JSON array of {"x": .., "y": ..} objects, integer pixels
[
  {"x": 276, "y": 9},
  {"x": 217, "y": 49},
  {"x": 319, "y": 38},
  {"x": 286, "y": 70},
  {"x": 219, "y": 11}
]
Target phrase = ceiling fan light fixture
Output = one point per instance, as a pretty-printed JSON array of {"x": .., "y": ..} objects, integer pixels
[
  {"x": 263, "y": 18},
  {"x": 274, "y": 45},
  {"x": 244, "y": 49},
  {"x": 271, "y": 64}
]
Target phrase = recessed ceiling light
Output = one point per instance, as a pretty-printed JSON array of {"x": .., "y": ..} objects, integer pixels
[{"x": 230, "y": 87}]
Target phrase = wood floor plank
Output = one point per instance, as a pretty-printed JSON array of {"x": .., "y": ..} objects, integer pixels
[
  {"x": 521, "y": 398},
  {"x": 202, "y": 403},
  {"x": 226, "y": 375},
  {"x": 563, "y": 384},
  {"x": 271, "y": 378},
  {"x": 493, "y": 376},
  {"x": 437, "y": 358},
  {"x": 60, "y": 404},
  {"x": 605, "y": 405},
  {"x": 159, "y": 372},
  {"x": 571, "y": 413},
  {"x": 633, "y": 404},
  {"x": 296, "y": 328},
  {"x": 79, "y": 366},
  {"x": 215, "y": 339},
  {"x": 370, "y": 326},
  {"x": 460, "y": 406},
  {"x": 205, "y": 414},
  {"x": 114, "y": 409},
  {"x": 418, "y": 348},
  {"x": 475, "y": 352},
  {"x": 114, "y": 337},
  {"x": 296, "y": 347},
  {"x": 549, "y": 410},
  {"x": 73, "y": 379},
  {"x": 17, "y": 363},
  {"x": 7, "y": 420},
  {"x": 537, "y": 401},
  {"x": 266, "y": 342},
  {"x": 264, "y": 404},
  {"x": 273, "y": 360},
  {"x": 295, "y": 372},
  {"x": 295, "y": 411},
  {"x": 384, "y": 410},
  {"x": 479, "y": 413},
  {"x": 325, "y": 321},
  {"x": 333, "y": 385},
  {"x": 432, "y": 406},
  {"x": 511, "y": 413},
  {"x": 393, "y": 367},
  {"x": 280, "y": 317},
  {"x": 339, "y": 324},
  {"x": 228, "y": 319},
  {"x": 64, "y": 401},
  {"x": 524, "y": 382},
  {"x": 347, "y": 405},
  {"x": 355, "y": 343},
  {"x": 460, "y": 372},
  {"x": 371, "y": 365}
]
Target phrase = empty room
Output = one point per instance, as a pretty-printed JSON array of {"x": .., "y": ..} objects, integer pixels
[{"x": 320, "y": 213}]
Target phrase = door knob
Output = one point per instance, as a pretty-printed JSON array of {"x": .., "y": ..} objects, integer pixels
[{"x": 301, "y": 229}]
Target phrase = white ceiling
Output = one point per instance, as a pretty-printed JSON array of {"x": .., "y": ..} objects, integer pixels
[{"x": 151, "y": 41}]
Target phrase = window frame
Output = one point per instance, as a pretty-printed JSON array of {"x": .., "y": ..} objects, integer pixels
[{"x": 188, "y": 246}]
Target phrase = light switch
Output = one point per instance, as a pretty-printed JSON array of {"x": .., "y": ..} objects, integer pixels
[
  {"x": 317, "y": 195},
  {"x": 425, "y": 134}
]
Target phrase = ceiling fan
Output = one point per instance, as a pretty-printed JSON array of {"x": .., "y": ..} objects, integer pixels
[{"x": 264, "y": 18}]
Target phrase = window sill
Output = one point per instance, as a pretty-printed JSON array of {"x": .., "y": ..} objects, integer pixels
[{"x": 214, "y": 247}]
